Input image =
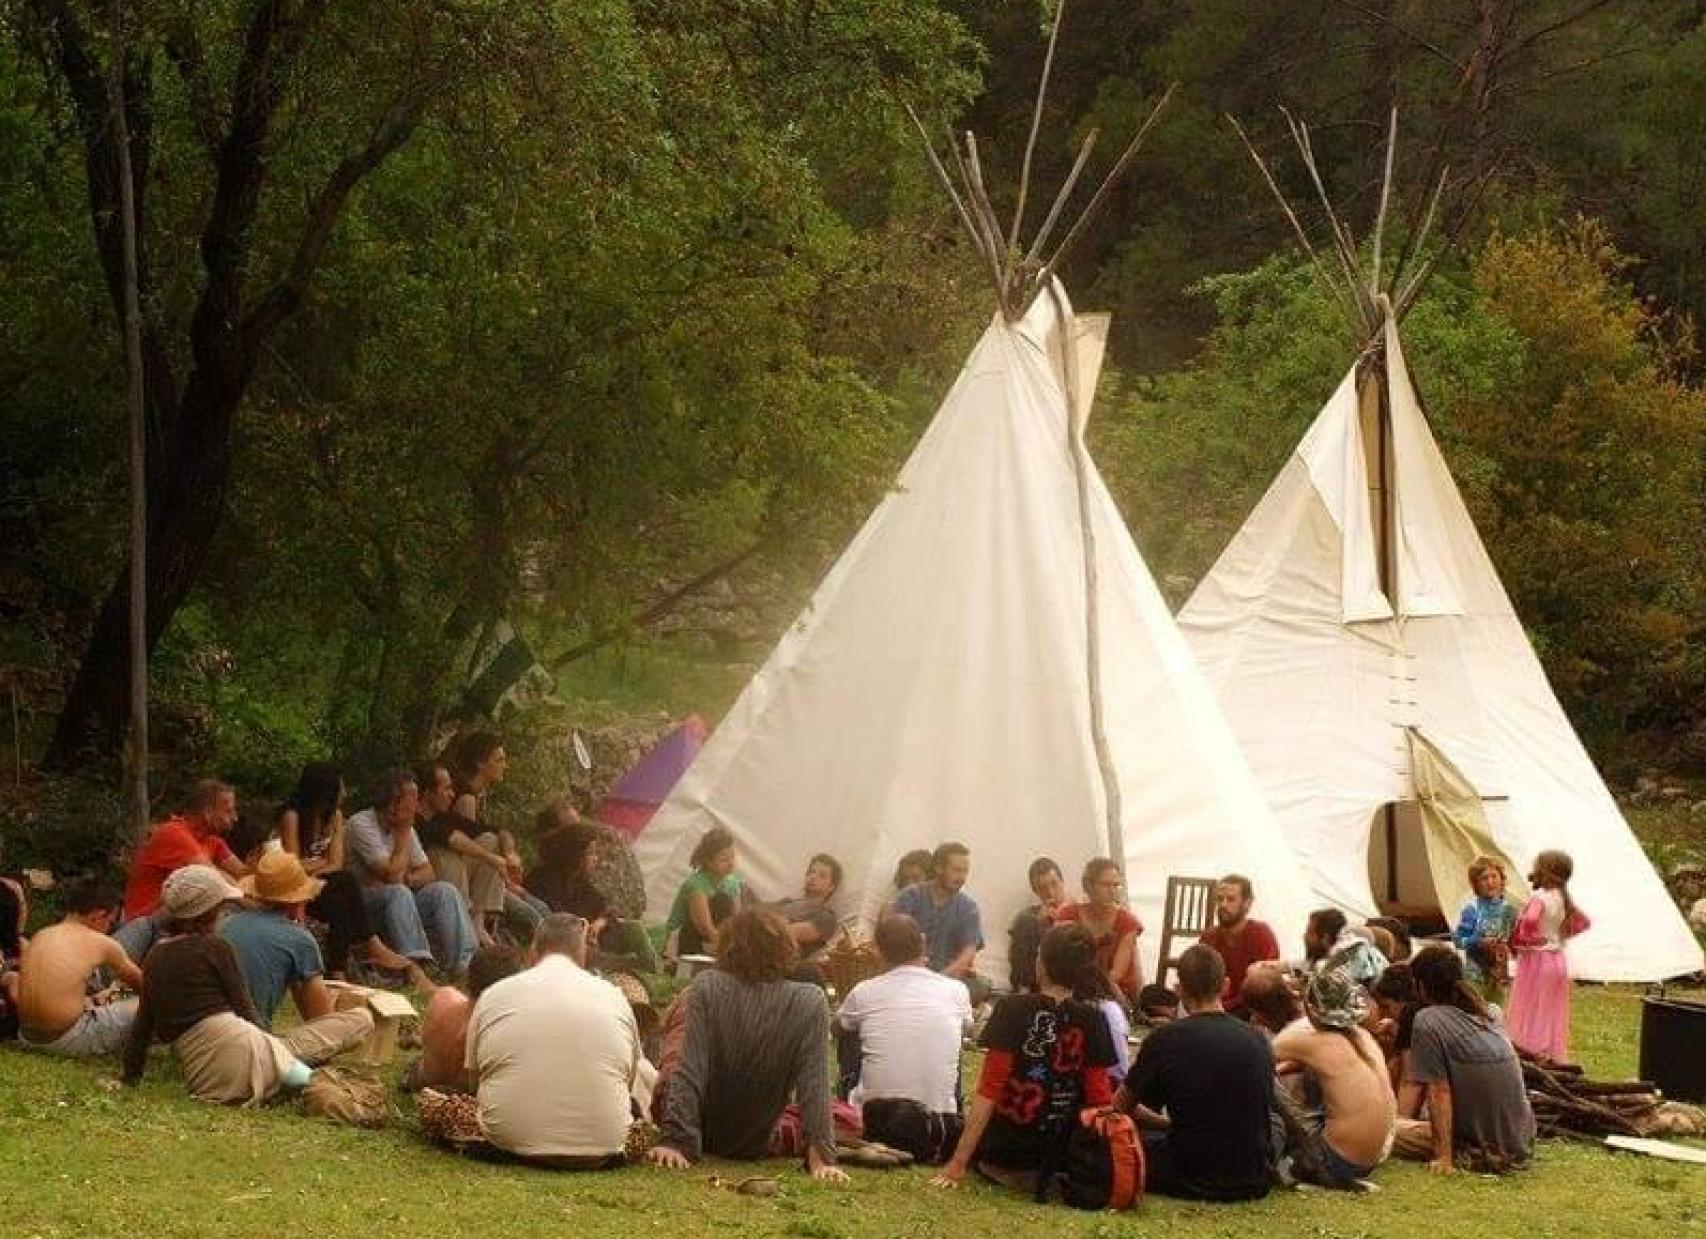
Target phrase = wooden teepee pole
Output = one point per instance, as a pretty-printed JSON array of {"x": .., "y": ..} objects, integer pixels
[
  {"x": 984, "y": 212},
  {"x": 1036, "y": 123},
  {"x": 1407, "y": 296},
  {"x": 1414, "y": 243},
  {"x": 991, "y": 260},
  {"x": 1385, "y": 199},
  {"x": 1080, "y": 457},
  {"x": 1100, "y": 198},
  {"x": 1309, "y": 250},
  {"x": 1344, "y": 244},
  {"x": 1059, "y": 204}
]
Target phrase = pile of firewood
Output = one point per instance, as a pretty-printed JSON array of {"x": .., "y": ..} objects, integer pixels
[{"x": 1567, "y": 1103}]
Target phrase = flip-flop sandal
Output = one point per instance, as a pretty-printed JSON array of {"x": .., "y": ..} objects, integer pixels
[{"x": 868, "y": 1156}]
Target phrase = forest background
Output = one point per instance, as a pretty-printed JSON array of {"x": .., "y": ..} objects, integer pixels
[{"x": 604, "y": 323}]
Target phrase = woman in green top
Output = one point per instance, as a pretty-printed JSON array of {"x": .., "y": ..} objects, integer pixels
[{"x": 710, "y": 895}]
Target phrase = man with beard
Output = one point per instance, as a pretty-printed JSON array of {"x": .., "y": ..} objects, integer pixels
[
  {"x": 1239, "y": 940},
  {"x": 948, "y": 918}
]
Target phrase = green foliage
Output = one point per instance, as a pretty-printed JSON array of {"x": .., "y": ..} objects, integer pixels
[
  {"x": 655, "y": 281},
  {"x": 1593, "y": 501},
  {"x": 638, "y": 293}
]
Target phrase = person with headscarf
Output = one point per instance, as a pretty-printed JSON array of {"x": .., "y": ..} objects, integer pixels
[{"x": 1346, "y": 1072}]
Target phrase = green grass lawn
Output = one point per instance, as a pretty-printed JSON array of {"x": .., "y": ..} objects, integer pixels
[{"x": 80, "y": 1156}]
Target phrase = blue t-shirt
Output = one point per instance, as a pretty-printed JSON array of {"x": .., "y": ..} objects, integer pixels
[
  {"x": 948, "y": 928},
  {"x": 273, "y": 954}
]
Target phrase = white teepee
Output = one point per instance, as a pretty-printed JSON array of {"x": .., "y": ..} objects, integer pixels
[
  {"x": 935, "y": 686},
  {"x": 1367, "y": 656}
]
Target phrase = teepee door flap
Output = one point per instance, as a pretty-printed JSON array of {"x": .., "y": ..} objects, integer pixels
[{"x": 1454, "y": 825}]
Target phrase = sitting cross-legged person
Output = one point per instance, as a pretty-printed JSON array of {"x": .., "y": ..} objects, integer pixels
[
  {"x": 276, "y": 955},
  {"x": 709, "y": 896},
  {"x": 1240, "y": 938},
  {"x": 1271, "y": 1000},
  {"x": 752, "y": 1037},
  {"x": 1343, "y": 1064},
  {"x": 56, "y": 1012},
  {"x": 1114, "y": 928},
  {"x": 444, "y": 1024},
  {"x": 555, "y": 1055},
  {"x": 948, "y": 917},
  {"x": 419, "y": 916},
  {"x": 312, "y": 828},
  {"x": 1330, "y": 941},
  {"x": 899, "y": 1035},
  {"x": 194, "y": 837},
  {"x": 1048, "y": 1057},
  {"x": 1202, "y": 1090},
  {"x": 194, "y": 998},
  {"x": 1462, "y": 1065},
  {"x": 810, "y": 918}
]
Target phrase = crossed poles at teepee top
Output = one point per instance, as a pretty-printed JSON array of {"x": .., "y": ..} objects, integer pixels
[{"x": 1018, "y": 277}]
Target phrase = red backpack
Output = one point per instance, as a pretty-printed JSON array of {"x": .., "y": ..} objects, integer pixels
[{"x": 1100, "y": 1165}]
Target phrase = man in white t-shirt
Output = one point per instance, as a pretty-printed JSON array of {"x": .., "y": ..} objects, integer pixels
[
  {"x": 903, "y": 1028},
  {"x": 555, "y": 1051}
]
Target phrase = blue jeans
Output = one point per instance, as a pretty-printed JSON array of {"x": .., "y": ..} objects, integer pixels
[
  {"x": 137, "y": 937},
  {"x": 429, "y": 924},
  {"x": 523, "y": 912}
]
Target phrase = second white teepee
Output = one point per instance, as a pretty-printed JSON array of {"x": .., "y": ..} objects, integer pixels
[{"x": 1349, "y": 697}]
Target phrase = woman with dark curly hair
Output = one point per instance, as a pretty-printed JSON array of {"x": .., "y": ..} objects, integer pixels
[{"x": 753, "y": 1037}]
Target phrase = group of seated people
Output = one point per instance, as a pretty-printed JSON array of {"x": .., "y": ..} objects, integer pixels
[
  {"x": 1253, "y": 1070},
  {"x": 1263, "y": 1071}
]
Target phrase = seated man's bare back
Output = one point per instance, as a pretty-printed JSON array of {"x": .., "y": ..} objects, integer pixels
[
  {"x": 1360, "y": 1108},
  {"x": 55, "y": 1011},
  {"x": 54, "y": 980}
]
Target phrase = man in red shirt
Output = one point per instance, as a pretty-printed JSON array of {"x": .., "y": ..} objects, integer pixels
[
  {"x": 1239, "y": 940},
  {"x": 195, "y": 837}
]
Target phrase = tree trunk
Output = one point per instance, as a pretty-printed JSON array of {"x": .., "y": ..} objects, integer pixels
[
  {"x": 189, "y": 458},
  {"x": 186, "y": 502}
]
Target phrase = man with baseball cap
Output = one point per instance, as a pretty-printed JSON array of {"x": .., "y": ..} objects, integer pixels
[
  {"x": 194, "y": 998},
  {"x": 275, "y": 954}
]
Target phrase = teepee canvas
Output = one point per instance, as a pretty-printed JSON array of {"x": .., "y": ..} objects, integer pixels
[
  {"x": 1384, "y": 691},
  {"x": 989, "y": 660},
  {"x": 935, "y": 687}
]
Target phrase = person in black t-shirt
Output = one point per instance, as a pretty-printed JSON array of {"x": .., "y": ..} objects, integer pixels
[
  {"x": 1048, "y": 1058},
  {"x": 1202, "y": 1089}
]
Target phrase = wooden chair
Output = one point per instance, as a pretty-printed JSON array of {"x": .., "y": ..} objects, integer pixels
[{"x": 1188, "y": 913}]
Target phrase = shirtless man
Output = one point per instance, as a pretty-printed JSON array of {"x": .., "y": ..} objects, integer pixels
[
  {"x": 1329, "y": 1042},
  {"x": 55, "y": 1011}
]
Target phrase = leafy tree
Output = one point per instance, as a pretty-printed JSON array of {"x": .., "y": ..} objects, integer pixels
[{"x": 575, "y": 301}]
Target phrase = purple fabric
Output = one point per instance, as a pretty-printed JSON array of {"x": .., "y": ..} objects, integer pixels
[{"x": 650, "y": 779}]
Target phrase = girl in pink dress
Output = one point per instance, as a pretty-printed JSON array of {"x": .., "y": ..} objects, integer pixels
[{"x": 1539, "y": 1017}]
